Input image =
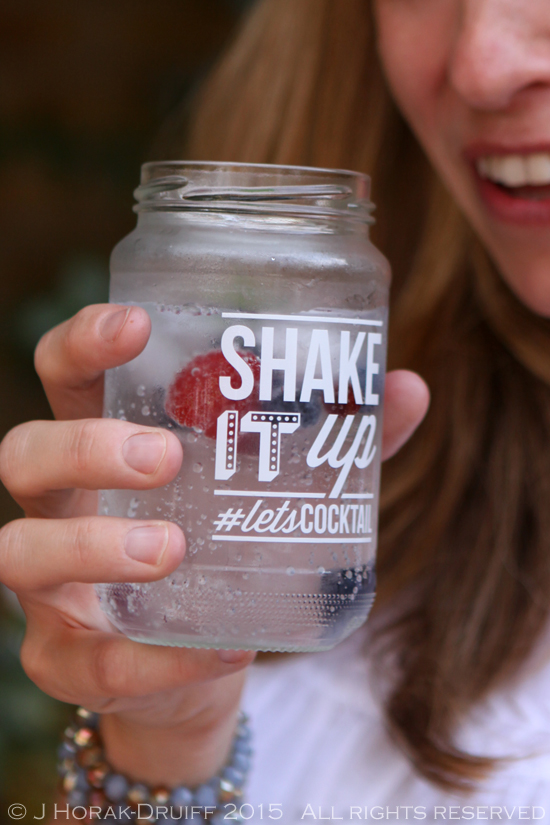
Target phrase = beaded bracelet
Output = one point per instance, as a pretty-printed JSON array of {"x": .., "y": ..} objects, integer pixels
[{"x": 93, "y": 786}]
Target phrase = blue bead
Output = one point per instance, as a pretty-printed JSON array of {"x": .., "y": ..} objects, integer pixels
[
  {"x": 233, "y": 775},
  {"x": 241, "y": 761},
  {"x": 121, "y": 812},
  {"x": 206, "y": 797},
  {"x": 181, "y": 797},
  {"x": 115, "y": 787},
  {"x": 65, "y": 751},
  {"x": 214, "y": 784},
  {"x": 81, "y": 783},
  {"x": 77, "y": 798},
  {"x": 243, "y": 747},
  {"x": 244, "y": 733}
]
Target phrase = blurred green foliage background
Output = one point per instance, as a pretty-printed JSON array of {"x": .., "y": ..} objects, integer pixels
[{"x": 87, "y": 87}]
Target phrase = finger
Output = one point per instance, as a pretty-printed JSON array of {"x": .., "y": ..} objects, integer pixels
[
  {"x": 71, "y": 358},
  {"x": 38, "y": 553},
  {"x": 406, "y": 401},
  {"x": 41, "y": 456},
  {"x": 94, "y": 668}
]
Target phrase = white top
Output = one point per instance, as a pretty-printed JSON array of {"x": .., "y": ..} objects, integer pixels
[{"x": 322, "y": 752}]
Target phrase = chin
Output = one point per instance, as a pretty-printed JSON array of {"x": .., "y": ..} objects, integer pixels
[{"x": 530, "y": 282}]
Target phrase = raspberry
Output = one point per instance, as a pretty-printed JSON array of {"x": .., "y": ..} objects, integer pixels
[
  {"x": 194, "y": 398},
  {"x": 351, "y": 408}
]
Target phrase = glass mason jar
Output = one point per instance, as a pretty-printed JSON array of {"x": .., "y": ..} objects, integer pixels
[{"x": 268, "y": 305}]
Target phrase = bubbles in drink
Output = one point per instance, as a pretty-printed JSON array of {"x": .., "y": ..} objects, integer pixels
[
  {"x": 132, "y": 508},
  {"x": 278, "y": 490}
]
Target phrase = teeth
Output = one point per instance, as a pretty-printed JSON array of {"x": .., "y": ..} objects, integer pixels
[
  {"x": 538, "y": 169},
  {"x": 516, "y": 170}
]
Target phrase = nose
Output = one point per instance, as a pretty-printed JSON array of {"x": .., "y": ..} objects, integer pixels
[{"x": 502, "y": 48}]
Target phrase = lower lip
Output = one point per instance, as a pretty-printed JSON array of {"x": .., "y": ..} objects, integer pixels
[{"x": 510, "y": 209}]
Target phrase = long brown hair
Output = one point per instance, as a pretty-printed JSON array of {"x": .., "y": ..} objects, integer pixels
[{"x": 464, "y": 545}]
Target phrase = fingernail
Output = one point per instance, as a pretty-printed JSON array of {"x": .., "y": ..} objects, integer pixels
[
  {"x": 144, "y": 451},
  {"x": 146, "y": 544},
  {"x": 111, "y": 327},
  {"x": 231, "y": 657}
]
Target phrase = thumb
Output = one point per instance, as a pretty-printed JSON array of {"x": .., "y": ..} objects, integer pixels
[{"x": 406, "y": 401}]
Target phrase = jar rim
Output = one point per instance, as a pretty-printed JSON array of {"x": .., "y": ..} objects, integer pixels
[{"x": 179, "y": 185}]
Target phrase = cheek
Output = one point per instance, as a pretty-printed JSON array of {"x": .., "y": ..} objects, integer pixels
[{"x": 415, "y": 45}]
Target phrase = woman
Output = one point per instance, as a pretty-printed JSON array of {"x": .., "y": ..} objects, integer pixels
[{"x": 464, "y": 574}]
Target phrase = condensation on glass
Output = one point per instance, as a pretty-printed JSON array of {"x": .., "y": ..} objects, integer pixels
[{"x": 268, "y": 306}]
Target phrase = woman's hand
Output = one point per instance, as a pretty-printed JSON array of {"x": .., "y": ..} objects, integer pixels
[
  {"x": 169, "y": 712},
  {"x": 53, "y": 469}
]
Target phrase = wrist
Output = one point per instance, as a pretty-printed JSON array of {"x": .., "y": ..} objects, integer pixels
[
  {"x": 92, "y": 782},
  {"x": 179, "y": 737},
  {"x": 189, "y": 752}
]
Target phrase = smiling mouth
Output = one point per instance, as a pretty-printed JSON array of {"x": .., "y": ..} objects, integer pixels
[{"x": 525, "y": 177}]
